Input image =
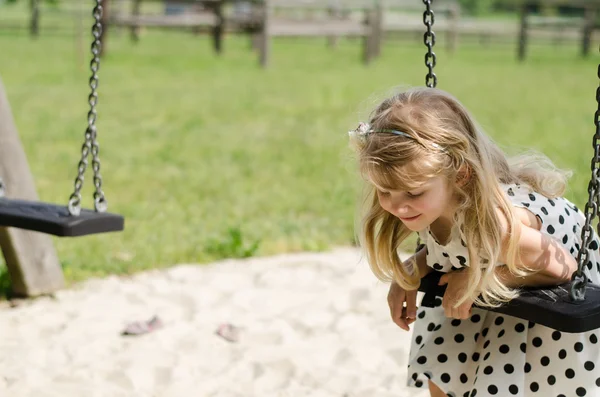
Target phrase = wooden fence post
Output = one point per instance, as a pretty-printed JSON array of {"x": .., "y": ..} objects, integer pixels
[
  {"x": 31, "y": 258},
  {"x": 522, "y": 42},
  {"x": 264, "y": 42}
]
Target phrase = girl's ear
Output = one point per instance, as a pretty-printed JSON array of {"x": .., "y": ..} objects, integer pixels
[{"x": 464, "y": 175}]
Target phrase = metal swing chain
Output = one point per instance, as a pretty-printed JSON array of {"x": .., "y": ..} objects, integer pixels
[
  {"x": 579, "y": 279},
  {"x": 91, "y": 144},
  {"x": 429, "y": 40}
]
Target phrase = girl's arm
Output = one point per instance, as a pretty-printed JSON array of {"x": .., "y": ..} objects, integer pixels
[{"x": 540, "y": 252}]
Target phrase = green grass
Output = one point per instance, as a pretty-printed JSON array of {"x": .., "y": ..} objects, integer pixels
[{"x": 209, "y": 157}]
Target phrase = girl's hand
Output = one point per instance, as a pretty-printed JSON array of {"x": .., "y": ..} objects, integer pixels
[
  {"x": 402, "y": 315},
  {"x": 457, "y": 285}
]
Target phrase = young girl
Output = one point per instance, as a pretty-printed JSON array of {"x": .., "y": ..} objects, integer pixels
[{"x": 492, "y": 226}]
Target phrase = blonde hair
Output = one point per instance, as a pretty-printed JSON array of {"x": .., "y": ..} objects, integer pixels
[{"x": 434, "y": 119}]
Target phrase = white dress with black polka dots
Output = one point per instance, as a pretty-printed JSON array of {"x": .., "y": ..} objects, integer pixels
[{"x": 492, "y": 354}]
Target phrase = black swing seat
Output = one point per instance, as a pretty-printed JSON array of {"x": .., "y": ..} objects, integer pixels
[
  {"x": 550, "y": 306},
  {"x": 55, "y": 219}
]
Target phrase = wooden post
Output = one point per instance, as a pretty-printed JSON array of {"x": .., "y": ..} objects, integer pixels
[
  {"x": 453, "y": 16},
  {"x": 377, "y": 28},
  {"x": 34, "y": 23},
  {"x": 523, "y": 32},
  {"x": 105, "y": 21},
  {"x": 371, "y": 35},
  {"x": 333, "y": 13},
  {"x": 218, "y": 29},
  {"x": 30, "y": 257},
  {"x": 135, "y": 29},
  {"x": 589, "y": 20},
  {"x": 264, "y": 42}
]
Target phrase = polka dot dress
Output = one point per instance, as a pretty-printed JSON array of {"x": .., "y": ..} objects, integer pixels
[{"x": 491, "y": 354}]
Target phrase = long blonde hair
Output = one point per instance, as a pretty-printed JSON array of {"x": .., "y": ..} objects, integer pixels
[{"x": 445, "y": 141}]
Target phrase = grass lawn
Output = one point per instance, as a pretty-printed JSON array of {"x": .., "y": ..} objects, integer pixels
[{"x": 210, "y": 157}]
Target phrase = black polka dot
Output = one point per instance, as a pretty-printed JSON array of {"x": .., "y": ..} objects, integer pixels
[
  {"x": 455, "y": 322},
  {"x": 418, "y": 383},
  {"x": 415, "y": 376},
  {"x": 499, "y": 320},
  {"x": 487, "y": 355},
  {"x": 524, "y": 347},
  {"x": 589, "y": 365},
  {"x": 567, "y": 212},
  {"x": 593, "y": 338},
  {"x": 475, "y": 357},
  {"x": 565, "y": 239},
  {"x": 422, "y": 360},
  {"x": 501, "y": 334},
  {"x": 445, "y": 255},
  {"x": 531, "y": 197},
  {"x": 459, "y": 338},
  {"x": 561, "y": 219},
  {"x": 510, "y": 192},
  {"x": 552, "y": 203},
  {"x": 513, "y": 389},
  {"x": 418, "y": 339},
  {"x": 519, "y": 327},
  {"x": 484, "y": 332},
  {"x": 430, "y": 327},
  {"x": 475, "y": 318},
  {"x": 462, "y": 260},
  {"x": 525, "y": 205},
  {"x": 530, "y": 324},
  {"x": 593, "y": 245},
  {"x": 598, "y": 382},
  {"x": 534, "y": 386},
  {"x": 437, "y": 327},
  {"x": 464, "y": 378},
  {"x": 556, "y": 335},
  {"x": 488, "y": 370},
  {"x": 476, "y": 336},
  {"x": 569, "y": 373},
  {"x": 562, "y": 354},
  {"x": 442, "y": 358},
  {"x": 492, "y": 389},
  {"x": 504, "y": 349},
  {"x": 445, "y": 378},
  {"x": 544, "y": 210},
  {"x": 578, "y": 347},
  {"x": 439, "y": 340},
  {"x": 550, "y": 229},
  {"x": 527, "y": 368},
  {"x": 486, "y": 344},
  {"x": 545, "y": 361},
  {"x": 437, "y": 266},
  {"x": 581, "y": 391},
  {"x": 551, "y": 380},
  {"x": 509, "y": 369},
  {"x": 537, "y": 341},
  {"x": 421, "y": 315},
  {"x": 462, "y": 357}
]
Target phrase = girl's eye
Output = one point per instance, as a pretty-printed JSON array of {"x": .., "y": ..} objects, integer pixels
[
  {"x": 382, "y": 193},
  {"x": 413, "y": 195}
]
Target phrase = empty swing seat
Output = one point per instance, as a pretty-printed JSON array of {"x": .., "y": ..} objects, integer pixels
[
  {"x": 551, "y": 306},
  {"x": 56, "y": 219}
]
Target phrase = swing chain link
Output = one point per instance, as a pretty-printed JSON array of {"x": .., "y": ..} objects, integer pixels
[
  {"x": 580, "y": 279},
  {"x": 429, "y": 40},
  {"x": 90, "y": 143}
]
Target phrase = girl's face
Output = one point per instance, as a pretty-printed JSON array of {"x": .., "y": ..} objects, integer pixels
[{"x": 420, "y": 207}]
